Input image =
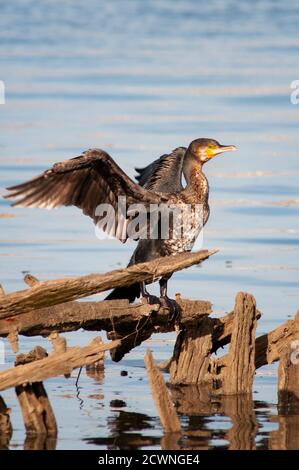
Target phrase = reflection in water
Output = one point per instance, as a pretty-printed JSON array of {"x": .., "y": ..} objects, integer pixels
[
  {"x": 80, "y": 400},
  {"x": 204, "y": 425},
  {"x": 120, "y": 425},
  {"x": 96, "y": 372},
  {"x": 240, "y": 409},
  {"x": 39, "y": 442},
  {"x": 287, "y": 435}
]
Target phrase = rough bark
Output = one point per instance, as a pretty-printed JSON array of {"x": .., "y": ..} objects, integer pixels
[
  {"x": 165, "y": 407},
  {"x": 49, "y": 293},
  {"x": 55, "y": 364},
  {"x": 191, "y": 357},
  {"x": 107, "y": 315},
  {"x": 288, "y": 376},
  {"x": 36, "y": 409},
  {"x": 270, "y": 347},
  {"x": 5, "y": 425},
  {"x": 234, "y": 372}
]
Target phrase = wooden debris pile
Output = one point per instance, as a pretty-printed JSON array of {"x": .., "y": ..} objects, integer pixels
[{"x": 51, "y": 307}]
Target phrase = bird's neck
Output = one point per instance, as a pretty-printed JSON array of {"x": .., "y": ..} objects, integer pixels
[
  {"x": 197, "y": 183},
  {"x": 192, "y": 168}
]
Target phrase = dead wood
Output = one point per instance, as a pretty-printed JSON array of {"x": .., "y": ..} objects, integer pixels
[
  {"x": 49, "y": 293},
  {"x": 234, "y": 372},
  {"x": 108, "y": 315},
  {"x": 288, "y": 377},
  {"x": 165, "y": 407},
  {"x": 5, "y": 425},
  {"x": 191, "y": 357},
  {"x": 55, "y": 364},
  {"x": 36, "y": 409},
  {"x": 270, "y": 347}
]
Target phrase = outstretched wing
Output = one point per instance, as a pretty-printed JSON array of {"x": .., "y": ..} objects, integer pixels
[
  {"x": 86, "y": 182},
  {"x": 164, "y": 174}
]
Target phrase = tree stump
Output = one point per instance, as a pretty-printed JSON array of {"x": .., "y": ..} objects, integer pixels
[
  {"x": 165, "y": 407},
  {"x": 192, "y": 363},
  {"x": 234, "y": 372},
  {"x": 191, "y": 357},
  {"x": 36, "y": 409},
  {"x": 288, "y": 375},
  {"x": 5, "y": 425}
]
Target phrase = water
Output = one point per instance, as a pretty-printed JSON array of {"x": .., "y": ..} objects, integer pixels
[{"x": 139, "y": 78}]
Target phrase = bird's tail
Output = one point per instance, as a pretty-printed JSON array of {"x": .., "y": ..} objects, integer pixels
[{"x": 131, "y": 293}]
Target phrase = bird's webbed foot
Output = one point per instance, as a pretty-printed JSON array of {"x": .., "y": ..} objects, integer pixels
[
  {"x": 165, "y": 301},
  {"x": 173, "y": 306}
]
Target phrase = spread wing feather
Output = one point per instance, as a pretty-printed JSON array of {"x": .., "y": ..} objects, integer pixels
[
  {"x": 85, "y": 181},
  {"x": 164, "y": 174}
]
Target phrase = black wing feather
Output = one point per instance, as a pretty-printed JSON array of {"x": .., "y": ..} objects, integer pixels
[
  {"x": 164, "y": 174},
  {"x": 85, "y": 181}
]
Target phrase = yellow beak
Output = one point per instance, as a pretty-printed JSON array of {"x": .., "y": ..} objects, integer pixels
[{"x": 223, "y": 148}]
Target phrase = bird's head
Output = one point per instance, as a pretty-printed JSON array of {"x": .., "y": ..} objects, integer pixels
[{"x": 205, "y": 149}]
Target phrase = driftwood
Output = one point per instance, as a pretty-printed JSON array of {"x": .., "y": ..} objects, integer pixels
[
  {"x": 48, "y": 308},
  {"x": 288, "y": 376},
  {"x": 191, "y": 362},
  {"x": 55, "y": 364},
  {"x": 165, "y": 407},
  {"x": 107, "y": 315},
  {"x": 286, "y": 437},
  {"x": 234, "y": 372},
  {"x": 59, "y": 291},
  {"x": 271, "y": 346},
  {"x": 36, "y": 409},
  {"x": 5, "y": 425}
]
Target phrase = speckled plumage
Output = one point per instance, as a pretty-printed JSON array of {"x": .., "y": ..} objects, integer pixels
[{"x": 94, "y": 178}]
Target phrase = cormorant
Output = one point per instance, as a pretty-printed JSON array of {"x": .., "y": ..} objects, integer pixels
[{"x": 94, "y": 178}]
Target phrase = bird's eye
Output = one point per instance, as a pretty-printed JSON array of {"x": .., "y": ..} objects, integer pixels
[{"x": 210, "y": 146}]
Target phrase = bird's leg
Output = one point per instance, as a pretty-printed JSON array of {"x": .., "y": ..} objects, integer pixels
[
  {"x": 148, "y": 298},
  {"x": 171, "y": 304},
  {"x": 163, "y": 287}
]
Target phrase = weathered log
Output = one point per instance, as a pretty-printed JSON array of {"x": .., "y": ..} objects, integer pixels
[
  {"x": 58, "y": 342},
  {"x": 13, "y": 339},
  {"x": 31, "y": 280},
  {"x": 288, "y": 376},
  {"x": 191, "y": 362},
  {"x": 165, "y": 407},
  {"x": 36, "y": 409},
  {"x": 270, "y": 347},
  {"x": 96, "y": 368},
  {"x": 5, "y": 425},
  {"x": 45, "y": 294},
  {"x": 191, "y": 357},
  {"x": 55, "y": 364},
  {"x": 107, "y": 315},
  {"x": 234, "y": 372}
]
